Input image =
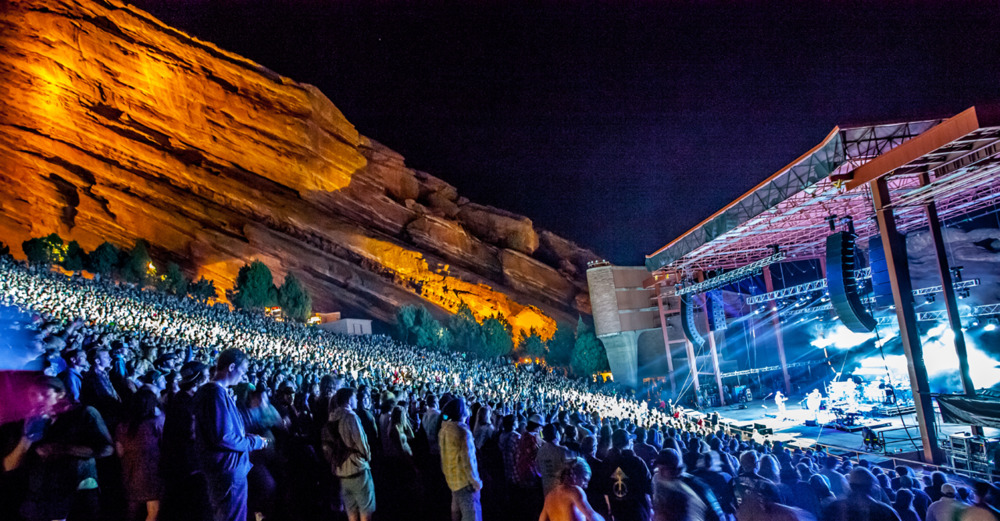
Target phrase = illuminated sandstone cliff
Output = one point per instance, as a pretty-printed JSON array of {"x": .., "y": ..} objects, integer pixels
[{"x": 115, "y": 126}]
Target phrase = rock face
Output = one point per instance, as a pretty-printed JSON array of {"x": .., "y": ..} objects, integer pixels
[{"x": 114, "y": 126}]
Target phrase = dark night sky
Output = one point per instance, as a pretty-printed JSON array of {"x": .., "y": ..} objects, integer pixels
[{"x": 618, "y": 125}]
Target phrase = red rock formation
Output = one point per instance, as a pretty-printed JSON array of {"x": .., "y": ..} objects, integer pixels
[{"x": 115, "y": 126}]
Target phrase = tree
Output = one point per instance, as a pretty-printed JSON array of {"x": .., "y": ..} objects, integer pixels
[
  {"x": 428, "y": 333},
  {"x": 43, "y": 250},
  {"x": 532, "y": 345},
  {"x": 466, "y": 334},
  {"x": 4, "y": 250},
  {"x": 406, "y": 318},
  {"x": 254, "y": 287},
  {"x": 561, "y": 345},
  {"x": 203, "y": 290},
  {"x": 104, "y": 259},
  {"x": 589, "y": 355},
  {"x": 174, "y": 281},
  {"x": 136, "y": 267},
  {"x": 496, "y": 332},
  {"x": 294, "y": 300},
  {"x": 75, "y": 258}
]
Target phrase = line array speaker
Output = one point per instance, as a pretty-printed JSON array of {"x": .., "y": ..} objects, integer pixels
[
  {"x": 842, "y": 284},
  {"x": 687, "y": 322},
  {"x": 880, "y": 271}
]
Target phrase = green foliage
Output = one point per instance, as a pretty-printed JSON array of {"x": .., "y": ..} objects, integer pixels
[
  {"x": 203, "y": 290},
  {"x": 532, "y": 345},
  {"x": 415, "y": 325},
  {"x": 174, "y": 281},
  {"x": 135, "y": 267},
  {"x": 104, "y": 259},
  {"x": 4, "y": 250},
  {"x": 406, "y": 317},
  {"x": 75, "y": 258},
  {"x": 496, "y": 332},
  {"x": 561, "y": 345},
  {"x": 294, "y": 300},
  {"x": 589, "y": 355},
  {"x": 254, "y": 287},
  {"x": 36, "y": 251},
  {"x": 44, "y": 250},
  {"x": 429, "y": 333},
  {"x": 466, "y": 334}
]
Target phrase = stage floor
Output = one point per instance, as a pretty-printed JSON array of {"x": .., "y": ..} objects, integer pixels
[{"x": 900, "y": 432}]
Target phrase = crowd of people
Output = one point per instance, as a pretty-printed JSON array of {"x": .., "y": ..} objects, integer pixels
[{"x": 134, "y": 404}]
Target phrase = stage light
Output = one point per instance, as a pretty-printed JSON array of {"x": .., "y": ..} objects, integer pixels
[
  {"x": 992, "y": 324},
  {"x": 930, "y": 299}
]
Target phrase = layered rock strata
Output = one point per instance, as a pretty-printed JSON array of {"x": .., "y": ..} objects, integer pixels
[{"x": 115, "y": 126}]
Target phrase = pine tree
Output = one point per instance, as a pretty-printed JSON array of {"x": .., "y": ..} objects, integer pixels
[
  {"x": 589, "y": 355},
  {"x": 75, "y": 258},
  {"x": 294, "y": 300},
  {"x": 174, "y": 280},
  {"x": 136, "y": 267},
  {"x": 561, "y": 346},
  {"x": 254, "y": 287},
  {"x": 104, "y": 259},
  {"x": 496, "y": 333},
  {"x": 466, "y": 334},
  {"x": 532, "y": 345},
  {"x": 203, "y": 290},
  {"x": 428, "y": 333},
  {"x": 406, "y": 318}
]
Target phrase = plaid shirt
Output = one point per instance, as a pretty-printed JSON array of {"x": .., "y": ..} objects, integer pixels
[
  {"x": 458, "y": 456},
  {"x": 508, "y": 447}
]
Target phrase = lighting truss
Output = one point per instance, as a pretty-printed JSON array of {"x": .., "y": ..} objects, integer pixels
[
  {"x": 971, "y": 283},
  {"x": 965, "y": 284},
  {"x": 763, "y": 369},
  {"x": 808, "y": 287},
  {"x": 731, "y": 276}
]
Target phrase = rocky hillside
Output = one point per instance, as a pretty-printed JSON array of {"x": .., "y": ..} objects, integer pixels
[{"x": 115, "y": 126}]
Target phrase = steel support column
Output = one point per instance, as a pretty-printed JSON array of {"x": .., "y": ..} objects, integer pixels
[
  {"x": 692, "y": 366},
  {"x": 776, "y": 325},
  {"x": 894, "y": 244},
  {"x": 950, "y": 300},
  {"x": 660, "y": 287}
]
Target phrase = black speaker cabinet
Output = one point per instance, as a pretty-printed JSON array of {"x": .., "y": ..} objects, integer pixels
[{"x": 843, "y": 286}]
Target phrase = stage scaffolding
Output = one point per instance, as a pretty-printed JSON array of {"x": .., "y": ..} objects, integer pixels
[{"x": 884, "y": 180}]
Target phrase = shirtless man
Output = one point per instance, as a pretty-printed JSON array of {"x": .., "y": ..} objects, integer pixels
[{"x": 567, "y": 501}]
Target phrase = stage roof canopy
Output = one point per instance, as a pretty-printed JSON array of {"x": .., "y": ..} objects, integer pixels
[{"x": 792, "y": 208}]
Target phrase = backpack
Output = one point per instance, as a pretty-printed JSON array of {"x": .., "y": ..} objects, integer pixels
[{"x": 336, "y": 450}]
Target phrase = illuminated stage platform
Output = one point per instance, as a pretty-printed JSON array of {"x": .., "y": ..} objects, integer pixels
[{"x": 899, "y": 433}]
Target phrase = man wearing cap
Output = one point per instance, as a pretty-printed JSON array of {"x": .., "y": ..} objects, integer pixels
[
  {"x": 858, "y": 505},
  {"x": 527, "y": 478},
  {"x": 627, "y": 481},
  {"x": 223, "y": 444},
  {"x": 948, "y": 508}
]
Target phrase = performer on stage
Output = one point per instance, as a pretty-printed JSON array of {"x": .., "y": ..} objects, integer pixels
[
  {"x": 779, "y": 400},
  {"x": 813, "y": 401}
]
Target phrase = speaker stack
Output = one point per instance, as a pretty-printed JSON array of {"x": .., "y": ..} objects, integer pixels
[
  {"x": 687, "y": 322},
  {"x": 843, "y": 285}
]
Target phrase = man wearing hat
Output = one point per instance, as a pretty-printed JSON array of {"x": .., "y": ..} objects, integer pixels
[
  {"x": 627, "y": 481},
  {"x": 948, "y": 508},
  {"x": 859, "y": 504},
  {"x": 527, "y": 478}
]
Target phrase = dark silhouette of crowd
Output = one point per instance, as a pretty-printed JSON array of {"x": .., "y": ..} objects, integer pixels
[{"x": 123, "y": 403}]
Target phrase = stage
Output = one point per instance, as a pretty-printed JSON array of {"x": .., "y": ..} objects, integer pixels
[{"x": 899, "y": 433}]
